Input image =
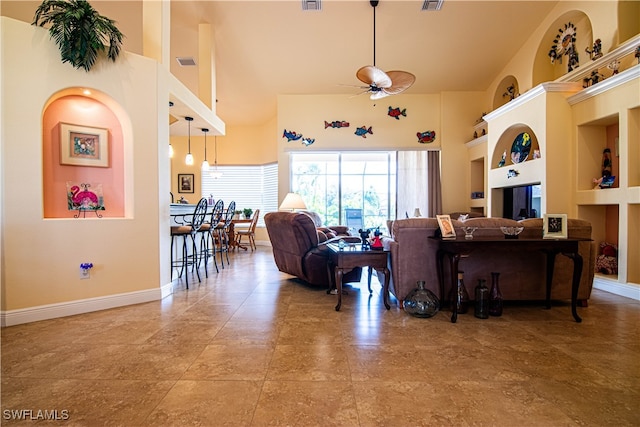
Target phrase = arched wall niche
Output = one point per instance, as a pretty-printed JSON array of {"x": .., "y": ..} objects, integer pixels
[
  {"x": 543, "y": 69},
  {"x": 74, "y": 106},
  {"x": 505, "y": 143},
  {"x": 503, "y": 90}
]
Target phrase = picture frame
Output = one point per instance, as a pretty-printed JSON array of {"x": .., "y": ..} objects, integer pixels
[
  {"x": 185, "y": 183},
  {"x": 554, "y": 226},
  {"x": 446, "y": 227},
  {"x": 84, "y": 146}
]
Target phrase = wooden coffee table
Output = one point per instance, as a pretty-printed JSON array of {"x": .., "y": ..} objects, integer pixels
[{"x": 345, "y": 260}]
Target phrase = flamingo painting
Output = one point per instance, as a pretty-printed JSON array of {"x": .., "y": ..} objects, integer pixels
[{"x": 79, "y": 197}]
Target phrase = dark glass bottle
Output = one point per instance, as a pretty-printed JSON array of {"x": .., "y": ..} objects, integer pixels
[
  {"x": 495, "y": 296},
  {"x": 421, "y": 302},
  {"x": 460, "y": 297},
  {"x": 482, "y": 300}
]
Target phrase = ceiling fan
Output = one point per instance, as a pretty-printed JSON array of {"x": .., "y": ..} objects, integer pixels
[{"x": 381, "y": 83}]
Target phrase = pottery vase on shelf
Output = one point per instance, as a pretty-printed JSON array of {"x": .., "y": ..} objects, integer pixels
[
  {"x": 482, "y": 300},
  {"x": 459, "y": 295},
  {"x": 421, "y": 302},
  {"x": 495, "y": 296}
]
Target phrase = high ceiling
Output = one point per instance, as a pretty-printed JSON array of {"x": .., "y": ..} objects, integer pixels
[{"x": 265, "y": 48}]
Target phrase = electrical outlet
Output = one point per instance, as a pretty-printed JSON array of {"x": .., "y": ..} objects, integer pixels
[{"x": 85, "y": 273}]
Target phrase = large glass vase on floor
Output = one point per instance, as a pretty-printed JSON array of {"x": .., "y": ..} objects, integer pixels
[{"x": 421, "y": 302}]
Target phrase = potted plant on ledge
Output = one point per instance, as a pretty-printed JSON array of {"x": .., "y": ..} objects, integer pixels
[
  {"x": 80, "y": 32},
  {"x": 247, "y": 213}
]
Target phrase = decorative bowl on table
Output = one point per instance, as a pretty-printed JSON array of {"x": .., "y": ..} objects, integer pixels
[
  {"x": 468, "y": 232},
  {"x": 511, "y": 232}
]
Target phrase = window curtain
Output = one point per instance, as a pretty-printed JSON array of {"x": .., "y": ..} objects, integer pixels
[{"x": 419, "y": 188}]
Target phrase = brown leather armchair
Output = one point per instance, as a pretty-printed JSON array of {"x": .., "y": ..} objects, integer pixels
[{"x": 298, "y": 251}]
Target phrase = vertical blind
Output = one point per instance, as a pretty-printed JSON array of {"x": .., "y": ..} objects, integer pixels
[{"x": 253, "y": 187}]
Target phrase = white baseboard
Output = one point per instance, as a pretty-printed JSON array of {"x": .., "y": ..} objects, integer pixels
[
  {"x": 613, "y": 286},
  {"x": 70, "y": 308}
]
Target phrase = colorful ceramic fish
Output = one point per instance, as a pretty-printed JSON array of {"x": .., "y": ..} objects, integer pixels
[
  {"x": 308, "y": 141},
  {"x": 336, "y": 124},
  {"x": 512, "y": 173},
  {"x": 291, "y": 136},
  {"x": 426, "y": 137},
  {"x": 363, "y": 131},
  {"x": 396, "y": 112}
]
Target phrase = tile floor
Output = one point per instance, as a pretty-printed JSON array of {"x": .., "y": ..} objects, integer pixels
[{"x": 253, "y": 347}]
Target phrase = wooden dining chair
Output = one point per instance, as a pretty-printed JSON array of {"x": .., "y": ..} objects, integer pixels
[{"x": 250, "y": 232}]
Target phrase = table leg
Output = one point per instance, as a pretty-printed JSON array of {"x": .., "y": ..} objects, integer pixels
[
  {"x": 575, "y": 282},
  {"x": 455, "y": 258},
  {"x": 551, "y": 261},
  {"x": 440, "y": 271},
  {"x": 370, "y": 269},
  {"x": 339, "y": 287},
  {"x": 385, "y": 288}
]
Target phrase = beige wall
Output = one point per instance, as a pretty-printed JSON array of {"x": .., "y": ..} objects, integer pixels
[{"x": 41, "y": 257}]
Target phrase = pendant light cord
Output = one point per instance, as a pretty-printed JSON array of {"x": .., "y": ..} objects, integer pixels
[{"x": 374, "y": 3}]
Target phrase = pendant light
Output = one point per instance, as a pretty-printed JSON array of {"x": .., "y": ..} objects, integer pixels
[
  {"x": 205, "y": 163},
  {"x": 215, "y": 173},
  {"x": 189, "y": 158}
]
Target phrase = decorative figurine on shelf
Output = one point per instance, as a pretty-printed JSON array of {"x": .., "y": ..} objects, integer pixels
[
  {"x": 183, "y": 201},
  {"x": 596, "y": 50},
  {"x": 364, "y": 235},
  {"x": 511, "y": 92},
  {"x": 376, "y": 243},
  {"x": 637, "y": 55},
  {"x": 503, "y": 160},
  {"x": 613, "y": 66},
  {"x": 564, "y": 44},
  {"x": 536, "y": 154},
  {"x": 475, "y": 134},
  {"x": 512, "y": 173},
  {"x": 595, "y": 77},
  {"x": 606, "y": 180}
]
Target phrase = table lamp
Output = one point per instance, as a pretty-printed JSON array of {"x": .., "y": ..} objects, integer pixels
[{"x": 291, "y": 202}]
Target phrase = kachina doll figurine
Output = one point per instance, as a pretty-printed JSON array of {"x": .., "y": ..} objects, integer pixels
[
  {"x": 596, "y": 51},
  {"x": 503, "y": 159},
  {"x": 606, "y": 180}
]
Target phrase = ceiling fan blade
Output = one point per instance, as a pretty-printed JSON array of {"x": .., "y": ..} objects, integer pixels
[
  {"x": 373, "y": 76},
  {"x": 401, "y": 81}
]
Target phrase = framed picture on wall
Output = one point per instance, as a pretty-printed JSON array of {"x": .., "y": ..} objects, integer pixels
[
  {"x": 554, "y": 226},
  {"x": 84, "y": 146},
  {"x": 185, "y": 183}
]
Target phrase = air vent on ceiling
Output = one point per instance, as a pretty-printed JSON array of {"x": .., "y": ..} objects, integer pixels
[
  {"x": 186, "y": 61},
  {"x": 311, "y": 5},
  {"x": 432, "y": 4}
]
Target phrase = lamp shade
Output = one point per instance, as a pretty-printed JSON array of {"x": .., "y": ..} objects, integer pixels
[{"x": 291, "y": 202}]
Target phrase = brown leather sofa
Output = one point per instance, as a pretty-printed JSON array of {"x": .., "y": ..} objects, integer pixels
[
  {"x": 299, "y": 247},
  {"x": 522, "y": 275}
]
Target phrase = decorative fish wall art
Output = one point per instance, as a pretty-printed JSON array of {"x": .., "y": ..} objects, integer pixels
[
  {"x": 426, "y": 137},
  {"x": 397, "y": 112},
  {"x": 336, "y": 124},
  {"x": 291, "y": 135},
  {"x": 363, "y": 131},
  {"x": 308, "y": 141}
]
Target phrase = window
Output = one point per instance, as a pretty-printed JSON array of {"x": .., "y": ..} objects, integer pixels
[
  {"x": 254, "y": 187},
  {"x": 332, "y": 183}
]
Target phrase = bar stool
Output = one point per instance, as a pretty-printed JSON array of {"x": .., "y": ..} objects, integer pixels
[
  {"x": 222, "y": 231},
  {"x": 208, "y": 238},
  {"x": 188, "y": 229}
]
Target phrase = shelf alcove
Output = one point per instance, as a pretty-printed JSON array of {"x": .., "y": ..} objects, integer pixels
[{"x": 71, "y": 108}]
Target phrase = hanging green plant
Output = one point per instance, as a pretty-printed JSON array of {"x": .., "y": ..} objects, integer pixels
[{"x": 80, "y": 32}]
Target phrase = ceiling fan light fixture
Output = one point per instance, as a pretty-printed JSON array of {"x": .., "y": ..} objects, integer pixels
[
  {"x": 380, "y": 83},
  {"x": 432, "y": 5}
]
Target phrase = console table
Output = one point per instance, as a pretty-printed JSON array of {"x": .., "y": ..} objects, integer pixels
[
  {"x": 345, "y": 260},
  {"x": 459, "y": 247}
]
